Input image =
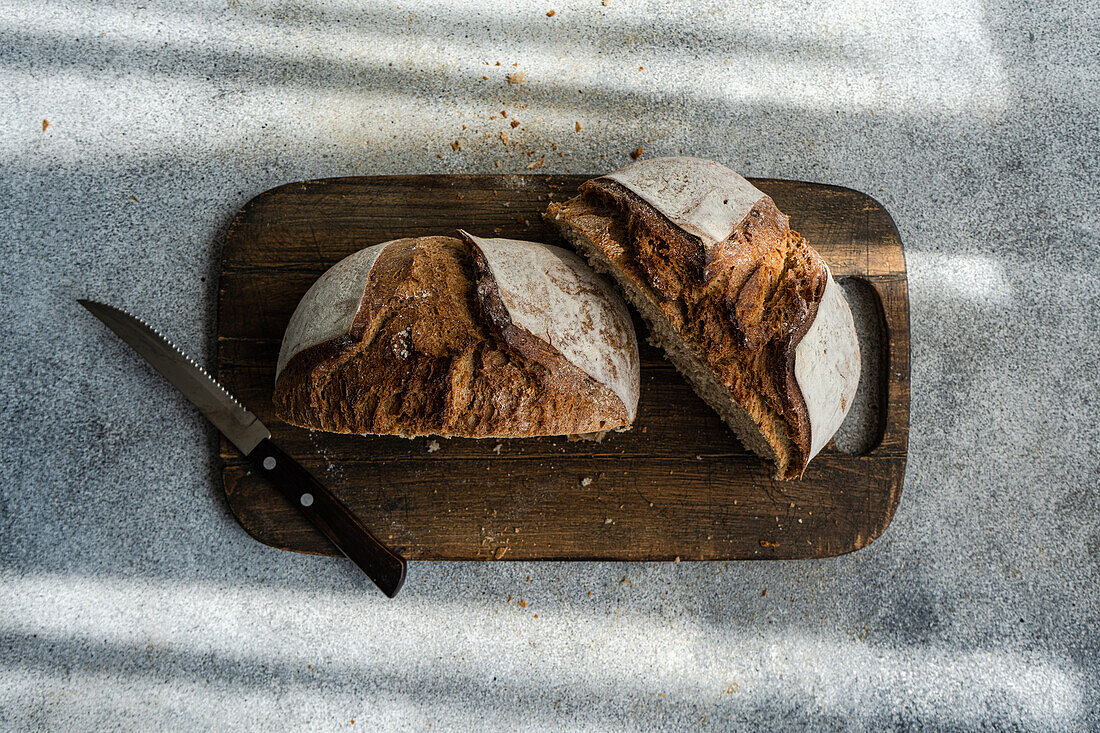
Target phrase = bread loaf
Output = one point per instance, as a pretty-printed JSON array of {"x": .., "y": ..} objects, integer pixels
[
  {"x": 459, "y": 337},
  {"x": 742, "y": 305}
]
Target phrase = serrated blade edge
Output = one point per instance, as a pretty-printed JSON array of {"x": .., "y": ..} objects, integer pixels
[{"x": 228, "y": 415}]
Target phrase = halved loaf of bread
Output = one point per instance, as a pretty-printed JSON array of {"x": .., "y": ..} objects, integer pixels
[
  {"x": 742, "y": 305},
  {"x": 459, "y": 337}
]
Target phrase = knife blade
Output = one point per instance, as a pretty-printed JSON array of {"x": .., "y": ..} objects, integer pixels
[{"x": 384, "y": 566}]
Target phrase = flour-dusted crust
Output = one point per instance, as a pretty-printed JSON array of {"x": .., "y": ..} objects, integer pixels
[
  {"x": 743, "y": 306},
  {"x": 702, "y": 197},
  {"x": 437, "y": 335},
  {"x": 827, "y": 366},
  {"x": 329, "y": 306},
  {"x": 553, "y": 295}
]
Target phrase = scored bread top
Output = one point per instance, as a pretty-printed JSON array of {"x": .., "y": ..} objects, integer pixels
[
  {"x": 700, "y": 196},
  {"x": 553, "y": 295},
  {"x": 826, "y": 366},
  {"x": 329, "y": 307}
]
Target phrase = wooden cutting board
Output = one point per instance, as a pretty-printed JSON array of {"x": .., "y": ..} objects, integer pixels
[{"x": 679, "y": 485}]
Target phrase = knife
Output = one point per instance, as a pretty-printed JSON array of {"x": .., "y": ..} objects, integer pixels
[{"x": 384, "y": 566}]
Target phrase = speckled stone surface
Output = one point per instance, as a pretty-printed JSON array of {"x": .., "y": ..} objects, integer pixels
[{"x": 129, "y": 598}]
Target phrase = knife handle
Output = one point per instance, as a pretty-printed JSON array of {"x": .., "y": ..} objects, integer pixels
[{"x": 381, "y": 564}]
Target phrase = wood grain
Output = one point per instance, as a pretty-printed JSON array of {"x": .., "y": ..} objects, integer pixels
[{"x": 678, "y": 485}]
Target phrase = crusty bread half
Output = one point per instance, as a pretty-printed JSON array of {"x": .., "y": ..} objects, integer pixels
[
  {"x": 742, "y": 305},
  {"x": 459, "y": 337}
]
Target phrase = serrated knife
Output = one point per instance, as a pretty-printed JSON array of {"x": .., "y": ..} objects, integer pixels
[{"x": 384, "y": 566}]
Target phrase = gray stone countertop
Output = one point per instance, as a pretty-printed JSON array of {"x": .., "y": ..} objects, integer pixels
[{"x": 130, "y": 599}]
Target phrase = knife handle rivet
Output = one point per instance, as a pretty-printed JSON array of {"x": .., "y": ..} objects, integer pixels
[
  {"x": 307, "y": 499},
  {"x": 269, "y": 463}
]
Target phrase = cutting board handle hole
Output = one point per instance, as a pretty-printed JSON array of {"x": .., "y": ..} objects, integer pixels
[{"x": 865, "y": 425}]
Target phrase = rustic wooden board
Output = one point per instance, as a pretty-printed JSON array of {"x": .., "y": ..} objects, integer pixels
[{"x": 678, "y": 485}]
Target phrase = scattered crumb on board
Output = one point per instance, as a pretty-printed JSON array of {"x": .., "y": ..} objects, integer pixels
[
  {"x": 433, "y": 446},
  {"x": 516, "y": 77}
]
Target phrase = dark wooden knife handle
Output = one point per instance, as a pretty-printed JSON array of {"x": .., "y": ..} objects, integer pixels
[{"x": 384, "y": 566}]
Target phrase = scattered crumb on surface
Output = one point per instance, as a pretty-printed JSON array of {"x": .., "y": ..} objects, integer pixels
[
  {"x": 457, "y": 145},
  {"x": 607, "y": 521},
  {"x": 764, "y": 594},
  {"x": 497, "y": 447},
  {"x": 522, "y": 603},
  {"x": 677, "y": 559},
  {"x": 515, "y": 123},
  {"x": 433, "y": 446},
  {"x": 500, "y": 552},
  {"x": 550, "y": 13},
  {"x": 637, "y": 153},
  {"x": 578, "y": 125},
  {"x": 537, "y": 164},
  {"x": 626, "y": 581},
  {"x": 586, "y": 481},
  {"x": 45, "y": 124},
  {"x": 516, "y": 77},
  {"x": 504, "y": 136}
]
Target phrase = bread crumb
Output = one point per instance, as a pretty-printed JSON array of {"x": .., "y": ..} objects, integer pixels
[
  {"x": 605, "y": 2},
  {"x": 607, "y": 521},
  {"x": 484, "y": 77},
  {"x": 439, "y": 155},
  {"x": 504, "y": 136},
  {"x": 496, "y": 163},
  {"x": 764, "y": 594},
  {"x": 497, "y": 447},
  {"x": 550, "y": 14},
  {"x": 589, "y": 594},
  {"x": 586, "y": 481},
  {"x": 515, "y": 124},
  {"x": 504, "y": 113},
  {"x": 45, "y": 124},
  {"x": 637, "y": 153},
  {"x": 677, "y": 559},
  {"x": 537, "y": 164},
  {"x": 457, "y": 145},
  {"x": 433, "y": 446},
  {"x": 500, "y": 552},
  {"x": 578, "y": 126},
  {"x": 627, "y": 581},
  {"x": 522, "y": 603},
  {"x": 516, "y": 77}
]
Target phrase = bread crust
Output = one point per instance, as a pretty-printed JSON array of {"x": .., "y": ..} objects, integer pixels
[{"x": 432, "y": 349}]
